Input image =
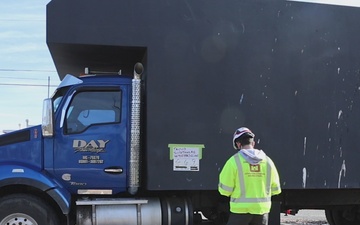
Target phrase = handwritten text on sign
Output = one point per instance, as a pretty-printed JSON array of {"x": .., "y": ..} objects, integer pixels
[{"x": 186, "y": 159}]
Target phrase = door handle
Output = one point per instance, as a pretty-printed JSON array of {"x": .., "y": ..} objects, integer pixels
[{"x": 113, "y": 170}]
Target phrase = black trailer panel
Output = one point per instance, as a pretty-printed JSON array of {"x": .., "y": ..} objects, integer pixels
[{"x": 287, "y": 70}]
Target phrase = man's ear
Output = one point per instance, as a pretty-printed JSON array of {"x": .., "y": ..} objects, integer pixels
[{"x": 253, "y": 143}]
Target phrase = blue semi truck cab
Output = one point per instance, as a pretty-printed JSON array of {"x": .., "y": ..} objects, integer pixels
[
  {"x": 82, "y": 165},
  {"x": 87, "y": 142}
]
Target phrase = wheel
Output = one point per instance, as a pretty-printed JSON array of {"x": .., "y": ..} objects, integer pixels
[
  {"x": 329, "y": 217},
  {"x": 341, "y": 216},
  {"x": 23, "y": 209}
]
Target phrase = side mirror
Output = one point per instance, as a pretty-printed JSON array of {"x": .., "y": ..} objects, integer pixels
[{"x": 47, "y": 126}]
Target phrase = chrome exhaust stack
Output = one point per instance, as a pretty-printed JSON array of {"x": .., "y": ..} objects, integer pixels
[{"x": 134, "y": 164}]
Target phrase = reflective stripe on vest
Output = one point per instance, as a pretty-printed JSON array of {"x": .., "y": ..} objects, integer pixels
[
  {"x": 242, "y": 197},
  {"x": 226, "y": 188}
]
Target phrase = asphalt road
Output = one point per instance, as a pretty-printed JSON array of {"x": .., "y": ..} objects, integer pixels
[{"x": 305, "y": 217}]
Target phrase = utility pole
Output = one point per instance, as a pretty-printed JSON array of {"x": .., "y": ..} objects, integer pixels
[{"x": 48, "y": 86}]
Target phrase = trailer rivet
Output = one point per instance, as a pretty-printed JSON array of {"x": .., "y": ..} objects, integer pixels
[{"x": 178, "y": 209}]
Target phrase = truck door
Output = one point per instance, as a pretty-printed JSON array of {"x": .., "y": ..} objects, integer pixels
[{"x": 90, "y": 148}]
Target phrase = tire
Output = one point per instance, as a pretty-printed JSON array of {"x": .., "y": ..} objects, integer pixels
[
  {"x": 342, "y": 216},
  {"x": 24, "y": 209},
  {"x": 329, "y": 217}
]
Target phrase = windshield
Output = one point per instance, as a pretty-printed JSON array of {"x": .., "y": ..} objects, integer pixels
[{"x": 58, "y": 96}]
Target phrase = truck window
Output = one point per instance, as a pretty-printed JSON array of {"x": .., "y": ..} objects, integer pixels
[
  {"x": 92, "y": 107},
  {"x": 58, "y": 96}
]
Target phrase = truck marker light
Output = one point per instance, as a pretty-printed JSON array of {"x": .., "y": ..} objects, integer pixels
[{"x": 35, "y": 133}]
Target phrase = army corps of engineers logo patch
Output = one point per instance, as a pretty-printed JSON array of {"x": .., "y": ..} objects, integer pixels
[{"x": 254, "y": 168}]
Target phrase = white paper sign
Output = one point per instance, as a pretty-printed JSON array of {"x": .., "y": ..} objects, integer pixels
[{"x": 186, "y": 159}]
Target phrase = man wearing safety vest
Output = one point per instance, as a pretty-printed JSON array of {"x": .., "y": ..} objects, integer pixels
[{"x": 249, "y": 178}]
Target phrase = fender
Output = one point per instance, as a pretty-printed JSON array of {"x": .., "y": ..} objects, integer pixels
[{"x": 15, "y": 175}]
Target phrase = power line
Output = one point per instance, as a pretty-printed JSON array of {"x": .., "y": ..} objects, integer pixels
[
  {"x": 29, "y": 20},
  {"x": 32, "y": 70},
  {"x": 28, "y": 85},
  {"x": 21, "y": 78}
]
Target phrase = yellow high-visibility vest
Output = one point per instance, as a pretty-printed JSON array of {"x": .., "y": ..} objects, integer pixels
[{"x": 249, "y": 187}]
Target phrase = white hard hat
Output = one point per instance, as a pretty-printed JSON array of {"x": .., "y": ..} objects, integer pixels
[{"x": 240, "y": 132}]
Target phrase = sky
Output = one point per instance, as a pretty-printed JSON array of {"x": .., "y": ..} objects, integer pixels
[{"x": 26, "y": 66}]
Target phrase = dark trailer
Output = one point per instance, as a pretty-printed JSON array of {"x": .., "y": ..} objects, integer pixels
[{"x": 288, "y": 70}]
